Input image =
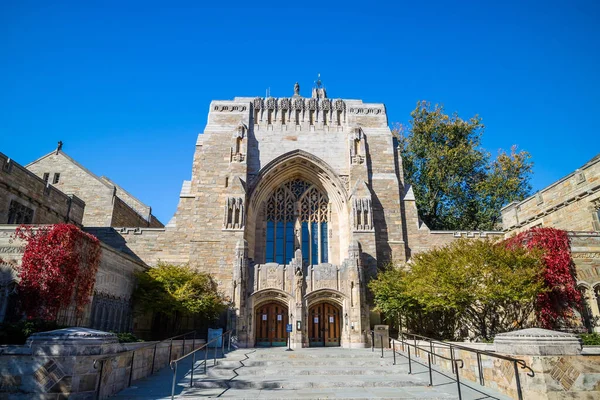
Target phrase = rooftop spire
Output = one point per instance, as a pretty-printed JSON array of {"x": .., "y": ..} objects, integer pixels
[{"x": 319, "y": 91}]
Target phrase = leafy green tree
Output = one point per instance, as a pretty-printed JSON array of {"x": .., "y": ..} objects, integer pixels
[
  {"x": 482, "y": 286},
  {"x": 490, "y": 287},
  {"x": 456, "y": 184},
  {"x": 391, "y": 298},
  {"x": 176, "y": 291}
]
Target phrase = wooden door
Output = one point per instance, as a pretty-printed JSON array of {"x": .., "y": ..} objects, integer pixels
[
  {"x": 271, "y": 320},
  {"x": 324, "y": 325}
]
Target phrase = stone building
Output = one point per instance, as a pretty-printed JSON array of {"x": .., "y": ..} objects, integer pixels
[
  {"x": 29, "y": 199},
  {"x": 106, "y": 203},
  {"x": 572, "y": 204},
  {"x": 292, "y": 205}
]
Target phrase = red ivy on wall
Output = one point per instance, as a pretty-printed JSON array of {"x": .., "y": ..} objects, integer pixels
[
  {"x": 555, "y": 305},
  {"x": 58, "y": 268}
]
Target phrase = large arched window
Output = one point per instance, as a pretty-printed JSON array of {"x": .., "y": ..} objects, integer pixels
[{"x": 296, "y": 217}]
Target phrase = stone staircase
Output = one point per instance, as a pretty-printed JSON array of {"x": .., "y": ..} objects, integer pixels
[{"x": 321, "y": 373}]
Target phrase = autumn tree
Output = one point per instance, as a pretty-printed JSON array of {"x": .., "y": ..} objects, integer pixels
[{"x": 457, "y": 184}]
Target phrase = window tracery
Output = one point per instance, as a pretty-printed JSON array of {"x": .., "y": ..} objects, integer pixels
[{"x": 296, "y": 217}]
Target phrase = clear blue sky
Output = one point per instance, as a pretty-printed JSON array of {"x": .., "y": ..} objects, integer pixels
[{"x": 126, "y": 85}]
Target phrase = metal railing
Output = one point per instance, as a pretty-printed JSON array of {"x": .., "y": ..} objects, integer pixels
[
  {"x": 404, "y": 338},
  {"x": 103, "y": 359},
  {"x": 192, "y": 353}
]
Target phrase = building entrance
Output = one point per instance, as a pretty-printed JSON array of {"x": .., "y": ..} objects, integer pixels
[
  {"x": 324, "y": 325},
  {"x": 271, "y": 320}
]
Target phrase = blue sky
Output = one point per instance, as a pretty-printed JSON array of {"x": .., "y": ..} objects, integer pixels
[{"x": 127, "y": 85}]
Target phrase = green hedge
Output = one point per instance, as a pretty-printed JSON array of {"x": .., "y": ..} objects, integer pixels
[{"x": 590, "y": 339}]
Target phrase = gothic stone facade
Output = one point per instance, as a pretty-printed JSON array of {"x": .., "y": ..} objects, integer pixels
[
  {"x": 572, "y": 204},
  {"x": 292, "y": 205}
]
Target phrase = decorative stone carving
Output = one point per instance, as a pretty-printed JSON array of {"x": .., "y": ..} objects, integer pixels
[
  {"x": 299, "y": 104},
  {"x": 325, "y": 104},
  {"x": 271, "y": 103},
  {"x": 297, "y": 89},
  {"x": 285, "y": 104},
  {"x": 239, "y": 132},
  {"x": 362, "y": 214},
  {"x": 339, "y": 105},
  {"x": 230, "y": 107},
  {"x": 234, "y": 213},
  {"x": 259, "y": 103},
  {"x": 366, "y": 111},
  {"x": 311, "y": 104}
]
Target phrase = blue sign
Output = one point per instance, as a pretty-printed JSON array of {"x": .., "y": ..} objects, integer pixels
[{"x": 288, "y": 328}]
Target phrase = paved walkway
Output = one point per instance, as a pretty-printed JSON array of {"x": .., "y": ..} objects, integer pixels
[{"x": 315, "y": 373}]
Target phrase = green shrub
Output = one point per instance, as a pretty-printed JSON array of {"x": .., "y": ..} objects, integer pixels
[
  {"x": 18, "y": 332},
  {"x": 590, "y": 339},
  {"x": 126, "y": 337}
]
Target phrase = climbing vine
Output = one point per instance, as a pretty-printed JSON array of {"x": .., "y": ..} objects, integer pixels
[
  {"x": 554, "y": 306},
  {"x": 58, "y": 269}
]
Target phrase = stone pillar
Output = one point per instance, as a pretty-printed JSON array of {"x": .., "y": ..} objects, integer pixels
[
  {"x": 592, "y": 299},
  {"x": 298, "y": 292},
  {"x": 560, "y": 369},
  {"x": 239, "y": 291}
]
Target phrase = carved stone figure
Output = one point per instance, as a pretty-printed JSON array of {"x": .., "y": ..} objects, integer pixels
[{"x": 297, "y": 89}]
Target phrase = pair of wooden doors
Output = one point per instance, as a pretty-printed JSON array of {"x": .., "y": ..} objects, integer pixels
[
  {"x": 271, "y": 320},
  {"x": 324, "y": 325}
]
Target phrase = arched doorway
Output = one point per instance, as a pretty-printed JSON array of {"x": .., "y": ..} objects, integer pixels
[
  {"x": 324, "y": 325},
  {"x": 271, "y": 320}
]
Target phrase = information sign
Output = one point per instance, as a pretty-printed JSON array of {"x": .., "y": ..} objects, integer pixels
[{"x": 288, "y": 328}]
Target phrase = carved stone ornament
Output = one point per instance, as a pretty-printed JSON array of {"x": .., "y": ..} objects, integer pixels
[
  {"x": 299, "y": 104},
  {"x": 311, "y": 104},
  {"x": 284, "y": 104},
  {"x": 339, "y": 105},
  {"x": 325, "y": 104},
  {"x": 239, "y": 132},
  {"x": 357, "y": 133},
  {"x": 259, "y": 103},
  {"x": 271, "y": 103}
]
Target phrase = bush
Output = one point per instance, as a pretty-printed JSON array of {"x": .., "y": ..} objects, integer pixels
[
  {"x": 590, "y": 339},
  {"x": 18, "y": 332},
  {"x": 126, "y": 337}
]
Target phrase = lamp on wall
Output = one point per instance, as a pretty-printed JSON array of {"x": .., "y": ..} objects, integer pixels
[{"x": 346, "y": 319}]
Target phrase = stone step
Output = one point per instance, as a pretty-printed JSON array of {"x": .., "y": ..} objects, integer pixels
[
  {"x": 312, "y": 382},
  {"x": 418, "y": 393},
  {"x": 352, "y": 370},
  {"x": 303, "y": 363}
]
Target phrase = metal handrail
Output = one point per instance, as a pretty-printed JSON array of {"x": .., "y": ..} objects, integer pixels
[
  {"x": 192, "y": 353},
  {"x": 103, "y": 358},
  {"x": 431, "y": 355}
]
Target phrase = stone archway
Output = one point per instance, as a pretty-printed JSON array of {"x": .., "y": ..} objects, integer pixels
[
  {"x": 324, "y": 325},
  {"x": 268, "y": 314}
]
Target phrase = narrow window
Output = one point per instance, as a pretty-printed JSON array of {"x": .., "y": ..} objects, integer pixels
[
  {"x": 305, "y": 241},
  {"x": 283, "y": 117},
  {"x": 289, "y": 242},
  {"x": 226, "y": 181},
  {"x": 311, "y": 117},
  {"x": 279, "y": 247},
  {"x": 270, "y": 117},
  {"x": 297, "y": 117},
  {"x": 56, "y": 178},
  {"x": 324, "y": 117},
  {"x": 339, "y": 118},
  {"x": 46, "y": 177},
  {"x": 19, "y": 214},
  {"x": 314, "y": 235},
  {"x": 270, "y": 242},
  {"x": 324, "y": 242}
]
